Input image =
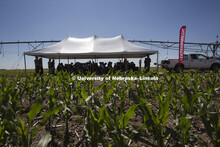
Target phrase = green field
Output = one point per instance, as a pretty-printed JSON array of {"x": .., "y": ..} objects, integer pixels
[{"x": 61, "y": 110}]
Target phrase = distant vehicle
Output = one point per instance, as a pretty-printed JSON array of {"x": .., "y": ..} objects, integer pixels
[{"x": 192, "y": 61}]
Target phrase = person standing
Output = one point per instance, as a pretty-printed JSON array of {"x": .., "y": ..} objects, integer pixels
[
  {"x": 51, "y": 66},
  {"x": 37, "y": 65},
  {"x": 125, "y": 64},
  {"x": 109, "y": 66},
  {"x": 140, "y": 64},
  {"x": 147, "y": 62},
  {"x": 40, "y": 66}
]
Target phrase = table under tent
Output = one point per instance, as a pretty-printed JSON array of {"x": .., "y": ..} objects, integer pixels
[{"x": 92, "y": 48}]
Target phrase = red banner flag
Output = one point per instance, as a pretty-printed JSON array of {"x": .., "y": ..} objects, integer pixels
[{"x": 181, "y": 43}]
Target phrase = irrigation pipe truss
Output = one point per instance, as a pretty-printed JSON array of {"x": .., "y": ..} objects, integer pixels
[{"x": 189, "y": 46}]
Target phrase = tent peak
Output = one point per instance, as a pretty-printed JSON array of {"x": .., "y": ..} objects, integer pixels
[
  {"x": 67, "y": 37},
  {"x": 121, "y": 36},
  {"x": 94, "y": 37}
]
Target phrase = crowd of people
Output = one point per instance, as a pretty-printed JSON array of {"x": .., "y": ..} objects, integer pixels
[
  {"x": 91, "y": 67},
  {"x": 102, "y": 68}
]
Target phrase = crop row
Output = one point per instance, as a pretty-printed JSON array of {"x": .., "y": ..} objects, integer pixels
[{"x": 177, "y": 109}]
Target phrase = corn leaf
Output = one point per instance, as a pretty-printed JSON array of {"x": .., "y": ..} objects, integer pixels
[
  {"x": 126, "y": 118},
  {"x": 34, "y": 111},
  {"x": 49, "y": 113}
]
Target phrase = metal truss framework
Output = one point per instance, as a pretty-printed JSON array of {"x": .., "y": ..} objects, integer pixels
[
  {"x": 189, "y": 46},
  {"x": 206, "y": 48}
]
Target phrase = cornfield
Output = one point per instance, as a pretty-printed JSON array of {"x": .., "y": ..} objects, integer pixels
[{"x": 62, "y": 110}]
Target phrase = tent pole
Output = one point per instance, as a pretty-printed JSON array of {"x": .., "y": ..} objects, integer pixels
[
  {"x": 24, "y": 63},
  {"x": 157, "y": 62}
]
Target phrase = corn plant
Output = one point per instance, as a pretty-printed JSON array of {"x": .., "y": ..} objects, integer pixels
[
  {"x": 94, "y": 128},
  {"x": 7, "y": 115},
  {"x": 116, "y": 125},
  {"x": 209, "y": 112},
  {"x": 26, "y": 133},
  {"x": 211, "y": 120}
]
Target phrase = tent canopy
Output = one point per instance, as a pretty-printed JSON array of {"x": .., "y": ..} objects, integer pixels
[{"x": 92, "y": 47}]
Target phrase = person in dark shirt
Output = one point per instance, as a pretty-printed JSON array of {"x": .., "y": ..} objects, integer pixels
[
  {"x": 37, "y": 65},
  {"x": 51, "y": 66},
  {"x": 41, "y": 66},
  {"x": 140, "y": 64},
  {"x": 147, "y": 62}
]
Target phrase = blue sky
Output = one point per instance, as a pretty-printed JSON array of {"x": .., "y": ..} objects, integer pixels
[{"x": 27, "y": 20}]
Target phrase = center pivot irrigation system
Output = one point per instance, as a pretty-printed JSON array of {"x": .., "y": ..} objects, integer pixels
[{"x": 210, "y": 49}]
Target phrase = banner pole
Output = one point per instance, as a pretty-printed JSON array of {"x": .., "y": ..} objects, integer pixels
[{"x": 181, "y": 43}]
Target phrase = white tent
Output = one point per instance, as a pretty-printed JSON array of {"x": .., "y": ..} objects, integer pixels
[{"x": 92, "y": 48}]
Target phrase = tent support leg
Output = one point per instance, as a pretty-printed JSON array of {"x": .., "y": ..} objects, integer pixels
[
  {"x": 157, "y": 63},
  {"x": 24, "y": 63}
]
